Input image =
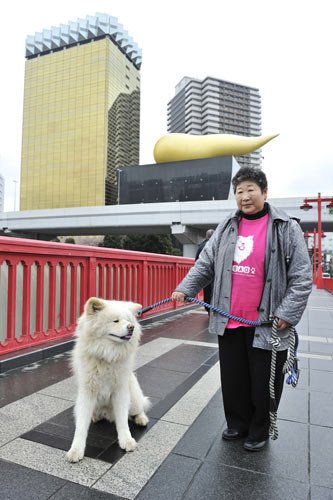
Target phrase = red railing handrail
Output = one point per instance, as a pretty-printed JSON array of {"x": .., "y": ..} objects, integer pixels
[
  {"x": 120, "y": 274},
  {"x": 328, "y": 284},
  {"x": 16, "y": 245}
]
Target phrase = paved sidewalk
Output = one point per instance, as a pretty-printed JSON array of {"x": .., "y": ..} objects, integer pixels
[{"x": 181, "y": 454}]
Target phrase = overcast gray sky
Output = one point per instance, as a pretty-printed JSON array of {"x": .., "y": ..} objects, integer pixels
[{"x": 283, "y": 48}]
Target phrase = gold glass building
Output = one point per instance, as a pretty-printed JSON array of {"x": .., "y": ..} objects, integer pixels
[{"x": 81, "y": 116}]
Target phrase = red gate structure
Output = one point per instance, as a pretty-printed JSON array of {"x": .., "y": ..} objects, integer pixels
[{"x": 44, "y": 286}]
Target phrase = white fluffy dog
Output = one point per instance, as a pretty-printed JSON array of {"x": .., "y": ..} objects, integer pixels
[{"x": 108, "y": 335}]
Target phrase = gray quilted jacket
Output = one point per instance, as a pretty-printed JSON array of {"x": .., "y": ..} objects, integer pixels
[{"x": 286, "y": 287}]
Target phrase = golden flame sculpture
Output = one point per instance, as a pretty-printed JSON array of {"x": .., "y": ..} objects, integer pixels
[{"x": 178, "y": 147}]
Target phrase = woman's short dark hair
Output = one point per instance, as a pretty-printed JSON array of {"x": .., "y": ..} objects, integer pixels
[{"x": 250, "y": 174}]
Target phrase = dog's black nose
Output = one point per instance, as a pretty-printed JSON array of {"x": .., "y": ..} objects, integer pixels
[{"x": 130, "y": 327}]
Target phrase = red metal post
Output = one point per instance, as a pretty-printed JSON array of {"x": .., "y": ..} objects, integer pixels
[
  {"x": 134, "y": 282},
  {"x": 83, "y": 285},
  {"x": 40, "y": 299},
  {"x": 128, "y": 282},
  {"x": 121, "y": 282},
  {"x": 140, "y": 284},
  {"x": 153, "y": 284},
  {"x": 320, "y": 283},
  {"x": 73, "y": 305},
  {"x": 63, "y": 295},
  {"x": 11, "y": 304},
  {"x": 144, "y": 284},
  {"x": 314, "y": 257},
  {"x": 164, "y": 278},
  {"x": 150, "y": 298},
  {"x": 175, "y": 283},
  {"x": 26, "y": 299},
  {"x": 52, "y": 295},
  {"x": 100, "y": 269},
  {"x": 115, "y": 271},
  {"x": 92, "y": 277},
  {"x": 108, "y": 282}
]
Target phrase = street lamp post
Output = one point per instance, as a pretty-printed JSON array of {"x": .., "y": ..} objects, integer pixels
[
  {"x": 307, "y": 206},
  {"x": 314, "y": 257}
]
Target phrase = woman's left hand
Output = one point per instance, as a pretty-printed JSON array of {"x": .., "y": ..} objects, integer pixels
[{"x": 282, "y": 324}]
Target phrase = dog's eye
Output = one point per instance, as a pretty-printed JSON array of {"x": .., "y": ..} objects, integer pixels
[{"x": 116, "y": 320}]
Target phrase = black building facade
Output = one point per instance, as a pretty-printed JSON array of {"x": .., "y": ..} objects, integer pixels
[{"x": 190, "y": 180}]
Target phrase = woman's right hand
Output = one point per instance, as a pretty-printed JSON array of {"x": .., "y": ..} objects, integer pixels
[{"x": 178, "y": 296}]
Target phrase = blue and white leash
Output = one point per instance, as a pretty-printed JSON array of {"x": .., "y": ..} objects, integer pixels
[
  {"x": 216, "y": 309},
  {"x": 148, "y": 308},
  {"x": 291, "y": 365},
  {"x": 228, "y": 315}
]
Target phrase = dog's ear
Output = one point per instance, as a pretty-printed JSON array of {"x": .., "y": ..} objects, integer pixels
[
  {"x": 134, "y": 308},
  {"x": 93, "y": 305}
]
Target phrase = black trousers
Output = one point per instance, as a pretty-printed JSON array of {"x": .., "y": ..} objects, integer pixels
[{"x": 245, "y": 373}]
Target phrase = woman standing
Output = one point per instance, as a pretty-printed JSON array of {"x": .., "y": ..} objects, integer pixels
[{"x": 259, "y": 264}]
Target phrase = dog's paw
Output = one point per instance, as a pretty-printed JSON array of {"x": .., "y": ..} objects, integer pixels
[
  {"x": 96, "y": 418},
  {"x": 74, "y": 455},
  {"x": 128, "y": 444},
  {"x": 141, "y": 419}
]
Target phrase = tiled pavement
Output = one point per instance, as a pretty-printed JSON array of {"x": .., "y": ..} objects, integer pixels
[{"x": 181, "y": 454}]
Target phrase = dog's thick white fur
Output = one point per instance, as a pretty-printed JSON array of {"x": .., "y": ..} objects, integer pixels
[{"x": 107, "y": 337}]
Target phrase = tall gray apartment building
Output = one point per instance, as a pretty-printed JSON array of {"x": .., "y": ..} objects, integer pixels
[{"x": 213, "y": 106}]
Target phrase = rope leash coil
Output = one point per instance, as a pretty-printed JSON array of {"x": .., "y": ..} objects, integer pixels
[{"x": 290, "y": 366}]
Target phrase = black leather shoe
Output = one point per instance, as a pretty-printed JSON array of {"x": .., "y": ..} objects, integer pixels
[
  {"x": 231, "y": 434},
  {"x": 250, "y": 445}
]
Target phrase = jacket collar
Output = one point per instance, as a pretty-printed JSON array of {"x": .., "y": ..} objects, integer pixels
[
  {"x": 274, "y": 212},
  {"x": 278, "y": 214}
]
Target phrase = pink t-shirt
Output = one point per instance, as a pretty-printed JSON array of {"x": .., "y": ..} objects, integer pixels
[{"x": 248, "y": 270}]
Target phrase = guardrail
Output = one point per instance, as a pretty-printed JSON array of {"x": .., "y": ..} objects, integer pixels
[
  {"x": 44, "y": 285},
  {"x": 328, "y": 284}
]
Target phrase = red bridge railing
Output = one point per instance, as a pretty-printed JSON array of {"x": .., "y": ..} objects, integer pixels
[
  {"x": 328, "y": 284},
  {"x": 44, "y": 286}
]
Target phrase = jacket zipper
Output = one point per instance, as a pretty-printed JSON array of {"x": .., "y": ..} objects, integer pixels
[{"x": 265, "y": 277}]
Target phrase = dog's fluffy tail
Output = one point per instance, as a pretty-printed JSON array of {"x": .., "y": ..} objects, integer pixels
[{"x": 146, "y": 404}]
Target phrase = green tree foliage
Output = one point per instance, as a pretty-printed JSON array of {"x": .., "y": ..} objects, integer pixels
[
  {"x": 152, "y": 243},
  {"x": 70, "y": 240},
  {"x": 112, "y": 241}
]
